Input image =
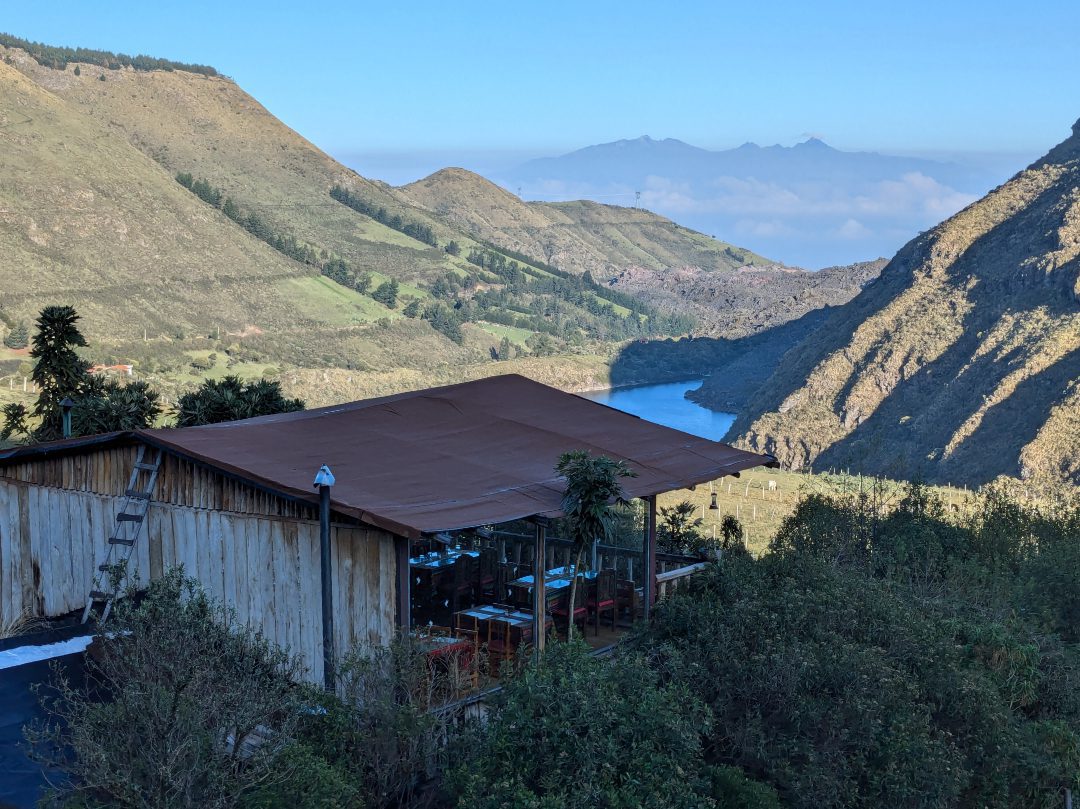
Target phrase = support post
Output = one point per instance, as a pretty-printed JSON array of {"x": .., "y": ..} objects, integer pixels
[
  {"x": 404, "y": 584},
  {"x": 539, "y": 596},
  {"x": 329, "y": 678},
  {"x": 648, "y": 589}
]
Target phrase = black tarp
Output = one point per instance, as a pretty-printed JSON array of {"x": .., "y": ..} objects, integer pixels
[{"x": 23, "y": 780}]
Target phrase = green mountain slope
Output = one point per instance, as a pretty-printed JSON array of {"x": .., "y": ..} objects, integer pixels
[
  {"x": 962, "y": 362},
  {"x": 95, "y": 215},
  {"x": 731, "y": 291},
  {"x": 578, "y": 236}
]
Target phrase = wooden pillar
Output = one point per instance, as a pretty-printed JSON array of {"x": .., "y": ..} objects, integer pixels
[
  {"x": 539, "y": 596},
  {"x": 404, "y": 583},
  {"x": 648, "y": 555}
]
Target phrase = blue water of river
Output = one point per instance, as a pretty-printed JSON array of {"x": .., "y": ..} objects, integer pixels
[{"x": 667, "y": 404}]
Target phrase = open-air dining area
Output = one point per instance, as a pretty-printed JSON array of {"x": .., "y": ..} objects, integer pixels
[{"x": 474, "y": 593}]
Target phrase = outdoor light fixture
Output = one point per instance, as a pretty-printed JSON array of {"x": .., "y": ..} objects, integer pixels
[
  {"x": 66, "y": 404},
  {"x": 712, "y": 503}
]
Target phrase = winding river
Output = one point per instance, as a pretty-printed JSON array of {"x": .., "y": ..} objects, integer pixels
[{"x": 666, "y": 404}]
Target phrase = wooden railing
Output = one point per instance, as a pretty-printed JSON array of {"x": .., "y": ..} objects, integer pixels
[
  {"x": 518, "y": 549},
  {"x": 669, "y": 581}
]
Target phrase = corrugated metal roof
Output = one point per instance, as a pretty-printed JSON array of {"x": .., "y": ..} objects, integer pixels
[{"x": 477, "y": 453}]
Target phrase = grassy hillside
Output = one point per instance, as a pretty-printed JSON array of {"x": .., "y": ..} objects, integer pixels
[
  {"x": 962, "y": 361},
  {"x": 164, "y": 273},
  {"x": 731, "y": 291},
  {"x": 579, "y": 236}
]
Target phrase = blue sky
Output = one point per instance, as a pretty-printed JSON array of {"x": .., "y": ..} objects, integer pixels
[{"x": 549, "y": 77}]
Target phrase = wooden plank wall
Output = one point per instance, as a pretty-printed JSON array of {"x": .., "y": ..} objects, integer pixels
[
  {"x": 264, "y": 565},
  {"x": 180, "y": 482}
]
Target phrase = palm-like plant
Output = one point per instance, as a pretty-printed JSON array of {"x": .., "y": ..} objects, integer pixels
[
  {"x": 106, "y": 406},
  {"x": 231, "y": 398},
  {"x": 592, "y": 485}
]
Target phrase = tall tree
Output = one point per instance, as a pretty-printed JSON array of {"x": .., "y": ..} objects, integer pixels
[
  {"x": 504, "y": 349},
  {"x": 386, "y": 293},
  {"x": 592, "y": 485},
  {"x": 58, "y": 372},
  {"x": 18, "y": 337}
]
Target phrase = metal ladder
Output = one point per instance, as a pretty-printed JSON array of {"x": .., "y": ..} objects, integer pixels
[{"x": 125, "y": 533}]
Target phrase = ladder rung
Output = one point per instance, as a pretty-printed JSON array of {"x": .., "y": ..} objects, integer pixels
[
  {"x": 137, "y": 495},
  {"x": 98, "y": 595},
  {"x": 121, "y": 541},
  {"x": 129, "y": 517},
  {"x": 148, "y": 467}
]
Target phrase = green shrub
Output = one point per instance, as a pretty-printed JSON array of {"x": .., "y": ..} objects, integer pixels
[
  {"x": 307, "y": 780},
  {"x": 579, "y": 731}
]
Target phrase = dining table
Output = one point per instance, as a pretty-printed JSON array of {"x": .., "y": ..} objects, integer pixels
[
  {"x": 440, "y": 560},
  {"x": 556, "y": 581},
  {"x": 514, "y": 617}
]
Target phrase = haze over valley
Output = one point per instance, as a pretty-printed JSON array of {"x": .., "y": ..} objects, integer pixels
[{"x": 809, "y": 204}]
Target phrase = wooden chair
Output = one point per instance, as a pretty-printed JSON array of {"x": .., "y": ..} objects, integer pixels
[
  {"x": 461, "y": 583},
  {"x": 486, "y": 571},
  {"x": 626, "y": 599},
  {"x": 602, "y": 598},
  {"x": 500, "y": 589},
  {"x": 580, "y": 613},
  {"x": 504, "y": 642}
]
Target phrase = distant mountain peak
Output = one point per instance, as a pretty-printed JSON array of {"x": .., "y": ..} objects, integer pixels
[{"x": 813, "y": 143}]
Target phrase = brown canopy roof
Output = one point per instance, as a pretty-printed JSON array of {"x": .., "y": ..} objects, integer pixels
[{"x": 477, "y": 453}]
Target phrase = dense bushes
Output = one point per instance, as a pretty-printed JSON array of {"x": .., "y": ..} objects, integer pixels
[
  {"x": 582, "y": 732},
  {"x": 887, "y": 657},
  {"x": 178, "y": 703}
]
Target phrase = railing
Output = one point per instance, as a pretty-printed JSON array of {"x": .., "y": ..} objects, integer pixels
[
  {"x": 518, "y": 549},
  {"x": 671, "y": 580}
]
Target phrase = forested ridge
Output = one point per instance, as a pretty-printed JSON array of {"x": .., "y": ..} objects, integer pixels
[{"x": 59, "y": 58}]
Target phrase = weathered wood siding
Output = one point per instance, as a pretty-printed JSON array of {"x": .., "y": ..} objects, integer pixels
[
  {"x": 180, "y": 482},
  {"x": 256, "y": 556}
]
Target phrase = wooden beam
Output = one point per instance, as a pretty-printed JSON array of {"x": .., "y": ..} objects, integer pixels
[
  {"x": 648, "y": 554},
  {"x": 539, "y": 596},
  {"x": 403, "y": 614}
]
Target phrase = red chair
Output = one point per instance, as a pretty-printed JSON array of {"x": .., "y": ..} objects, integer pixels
[
  {"x": 580, "y": 613},
  {"x": 602, "y": 598}
]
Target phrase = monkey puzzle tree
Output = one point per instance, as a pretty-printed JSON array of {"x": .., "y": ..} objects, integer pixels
[{"x": 59, "y": 371}]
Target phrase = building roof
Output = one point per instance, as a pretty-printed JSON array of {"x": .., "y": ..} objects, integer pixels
[{"x": 477, "y": 453}]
